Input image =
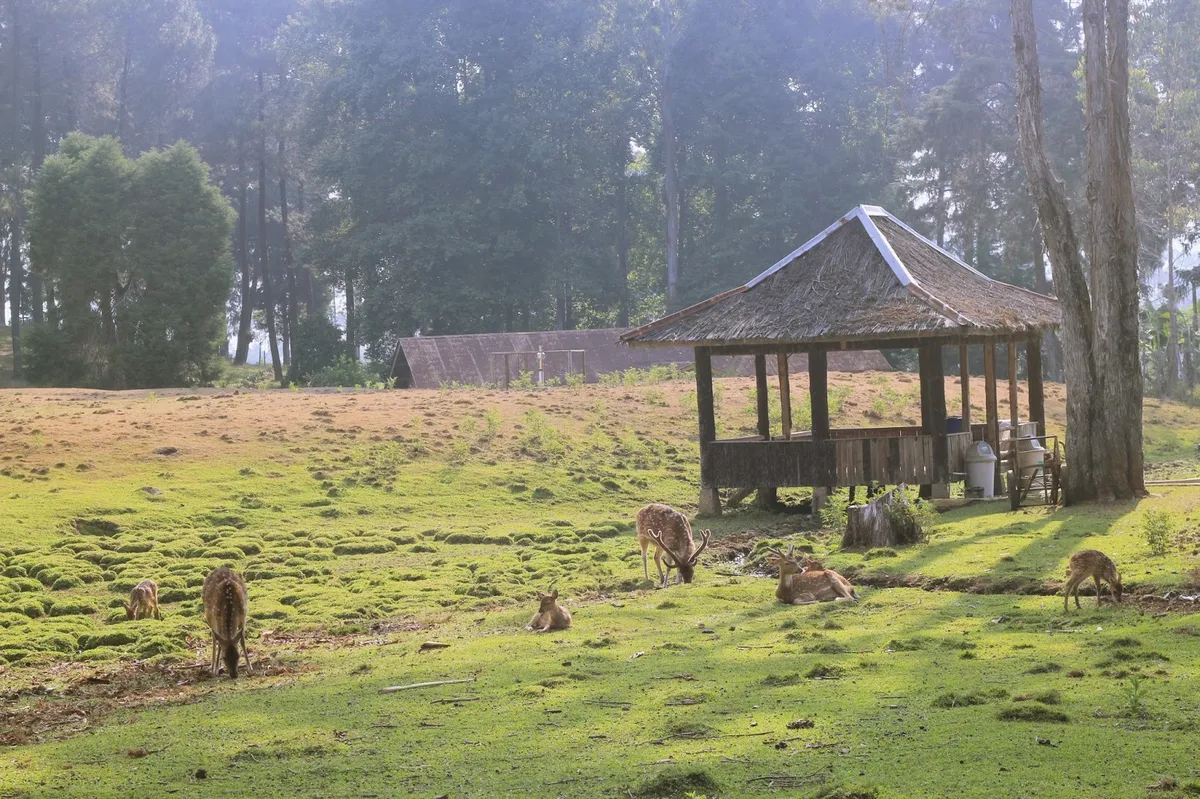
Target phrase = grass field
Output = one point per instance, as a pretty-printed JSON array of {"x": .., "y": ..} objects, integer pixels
[{"x": 369, "y": 523}]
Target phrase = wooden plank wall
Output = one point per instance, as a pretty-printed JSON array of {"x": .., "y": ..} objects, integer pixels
[{"x": 838, "y": 462}]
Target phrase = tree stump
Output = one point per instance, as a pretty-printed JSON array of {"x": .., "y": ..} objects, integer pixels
[{"x": 885, "y": 522}]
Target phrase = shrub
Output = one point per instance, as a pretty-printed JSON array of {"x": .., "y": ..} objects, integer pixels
[
  {"x": 316, "y": 345},
  {"x": 1158, "y": 528},
  {"x": 345, "y": 373}
]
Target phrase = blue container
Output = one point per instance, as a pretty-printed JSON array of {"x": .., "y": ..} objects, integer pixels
[{"x": 954, "y": 424}]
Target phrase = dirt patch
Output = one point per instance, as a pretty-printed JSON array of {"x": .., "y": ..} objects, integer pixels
[{"x": 47, "y": 712}]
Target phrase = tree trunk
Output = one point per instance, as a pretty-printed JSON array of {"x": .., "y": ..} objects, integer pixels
[
  {"x": 264, "y": 262},
  {"x": 38, "y": 129},
  {"x": 351, "y": 322},
  {"x": 246, "y": 317},
  {"x": 670, "y": 168},
  {"x": 620, "y": 164},
  {"x": 1103, "y": 392},
  {"x": 16, "y": 271},
  {"x": 293, "y": 313},
  {"x": 1116, "y": 308},
  {"x": 886, "y": 521},
  {"x": 1172, "y": 374}
]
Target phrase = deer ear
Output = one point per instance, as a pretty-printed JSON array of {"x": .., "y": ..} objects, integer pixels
[{"x": 554, "y": 594}]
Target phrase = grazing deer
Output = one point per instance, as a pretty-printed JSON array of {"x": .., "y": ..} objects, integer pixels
[
  {"x": 809, "y": 582},
  {"x": 143, "y": 601},
  {"x": 1095, "y": 564},
  {"x": 550, "y": 615},
  {"x": 225, "y": 613},
  {"x": 671, "y": 533}
]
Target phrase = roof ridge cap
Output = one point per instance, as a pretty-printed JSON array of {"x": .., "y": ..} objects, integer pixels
[{"x": 903, "y": 275}]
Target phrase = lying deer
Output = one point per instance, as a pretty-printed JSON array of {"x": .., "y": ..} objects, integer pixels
[
  {"x": 671, "y": 533},
  {"x": 809, "y": 582},
  {"x": 1095, "y": 564},
  {"x": 143, "y": 601},
  {"x": 225, "y": 613},
  {"x": 550, "y": 615}
]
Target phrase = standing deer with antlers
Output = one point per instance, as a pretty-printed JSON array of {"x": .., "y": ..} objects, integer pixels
[
  {"x": 671, "y": 533},
  {"x": 809, "y": 582}
]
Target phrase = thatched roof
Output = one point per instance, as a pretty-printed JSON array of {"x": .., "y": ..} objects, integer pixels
[
  {"x": 867, "y": 276},
  {"x": 434, "y": 361}
]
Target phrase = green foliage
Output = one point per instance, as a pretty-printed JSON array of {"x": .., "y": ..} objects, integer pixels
[
  {"x": 317, "y": 346},
  {"x": 345, "y": 373},
  {"x": 833, "y": 512},
  {"x": 140, "y": 252},
  {"x": 1158, "y": 529}
]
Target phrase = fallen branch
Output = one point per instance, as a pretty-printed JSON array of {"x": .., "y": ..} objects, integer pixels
[
  {"x": 454, "y": 700},
  {"x": 396, "y": 688}
]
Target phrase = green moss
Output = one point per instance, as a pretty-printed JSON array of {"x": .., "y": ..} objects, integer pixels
[
  {"x": 73, "y": 607},
  {"x": 1033, "y": 713},
  {"x": 364, "y": 546}
]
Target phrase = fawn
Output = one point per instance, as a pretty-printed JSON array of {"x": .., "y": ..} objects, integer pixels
[
  {"x": 672, "y": 534},
  {"x": 808, "y": 583},
  {"x": 1095, "y": 564},
  {"x": 550, "y": 615},
  {"x": 143, "y": 601},
  {"x": 225, "y": 613}
]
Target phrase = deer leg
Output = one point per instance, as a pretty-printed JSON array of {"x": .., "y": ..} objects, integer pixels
[
  {"x": 658, "y": 559},
  {"x": 249, "y": 667},
  {"x": 805, "y": 599},
  {"x": 157, "y": 612},
  {"x": 213, "y": 665},
  {"x": 645, "y": 565},
  {"x": 1096, "y": 577}
]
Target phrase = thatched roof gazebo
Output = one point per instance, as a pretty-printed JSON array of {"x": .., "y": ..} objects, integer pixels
[{"x": 866, "y": 282}]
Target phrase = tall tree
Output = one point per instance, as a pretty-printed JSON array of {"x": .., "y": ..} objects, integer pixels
[{"x": 1100, "y": 333}]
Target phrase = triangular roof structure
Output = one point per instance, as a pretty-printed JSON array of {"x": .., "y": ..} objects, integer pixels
[{"x": 866, "y": 277}]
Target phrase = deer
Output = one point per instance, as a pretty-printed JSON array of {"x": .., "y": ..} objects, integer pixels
[
  {"x": 143, "y": 601},
  {"x": 671, "y": 533},
  {"x": 809, "y": 582},
  {"x": 550, "y": 615},
  {"x": 225, "y": 612},
  {"x": 1095, "y": 564}
]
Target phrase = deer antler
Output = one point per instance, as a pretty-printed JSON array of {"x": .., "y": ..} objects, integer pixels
[
  {"x": 704, "y": 535},
  {"x": 657, "y": 538}
]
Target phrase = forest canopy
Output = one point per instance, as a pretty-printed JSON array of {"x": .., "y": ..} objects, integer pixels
[{"x": 493, "y": 165}]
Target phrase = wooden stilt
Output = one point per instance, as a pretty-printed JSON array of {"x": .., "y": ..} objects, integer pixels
[
  {"x": 785, "y": 396},
  {"x": 1014, "y": 489},
  {"x": 766, "y": 499},
  {"x": 710, "y": 498},
  {"x": 964, "y": 358},
  {"x": 992, "y": 405}
]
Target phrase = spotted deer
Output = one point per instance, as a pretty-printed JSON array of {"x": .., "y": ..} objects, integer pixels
[
  {"x": 143, "y": 601},
  {"x": 1095, "y": 564},
  {"x": 225, "y": 612},
  {"x": 550, "y": 615},
  {"x": 808, "y": 582},
  {"x": 671, "y": 533}
]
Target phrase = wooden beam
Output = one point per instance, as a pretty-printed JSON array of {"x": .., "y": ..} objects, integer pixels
[
  {"x": 1014, "y": 409},
  {"x": 818, "y": 388},
  {"x": 785, "y": 395},
  {"x": 849, "y": 345},
  {"x": 761, "y": 393},
  {"x": 767, "y": 497},
  {"x": 1037, "y": 389},
  {"x": 991, "y": 404},
  {"x": 964, "y": 359},
  {"x": 710, "y": 499}
]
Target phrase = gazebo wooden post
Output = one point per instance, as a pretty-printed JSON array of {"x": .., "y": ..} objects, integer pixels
[
  {"x": 992, "y": 406},
  {"x": 964, "y": 359},
  {"x": 933, "y": 418},
  {"x": 1037, "y": 390},
  {"x": 1014, "y": 489},
  {"x": 710, "y": 497},
  {"x": 785, "y": 397},
  {"x": 766, "y": 499},
  {"x": 818, "y": 392}
]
